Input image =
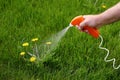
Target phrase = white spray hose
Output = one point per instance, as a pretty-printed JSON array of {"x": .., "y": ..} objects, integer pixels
[{"x": 105, "y": 59}]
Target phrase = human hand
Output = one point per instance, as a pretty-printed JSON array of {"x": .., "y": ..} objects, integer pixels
[{"x": 91, "y": 21}]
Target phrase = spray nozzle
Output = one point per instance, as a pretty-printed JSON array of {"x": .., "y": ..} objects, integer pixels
[{"x": 92, "y": 31}]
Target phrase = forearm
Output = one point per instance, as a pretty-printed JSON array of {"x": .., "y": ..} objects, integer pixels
[{"x": 110, "y": 15}]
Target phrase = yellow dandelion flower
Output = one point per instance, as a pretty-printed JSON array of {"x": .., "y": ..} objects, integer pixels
[
  {"x": 32, "y": 59},
  {"x": 103, "y": 6},
  {"x": 35, "y": 39},
  {"x": 48, "y": 43},
  {"x": 22, "y": 53},
  {"x": 25, "y": 44}
]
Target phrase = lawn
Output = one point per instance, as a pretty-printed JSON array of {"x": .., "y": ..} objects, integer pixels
[{"x": 76, "y": 57}]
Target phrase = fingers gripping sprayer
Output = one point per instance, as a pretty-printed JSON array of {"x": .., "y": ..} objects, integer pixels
[
  {"x": 94, "y": 33},
  {"x": 90, "y": 30}
]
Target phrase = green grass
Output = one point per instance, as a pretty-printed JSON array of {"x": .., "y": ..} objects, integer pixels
[{"x": 76, "y": 58}]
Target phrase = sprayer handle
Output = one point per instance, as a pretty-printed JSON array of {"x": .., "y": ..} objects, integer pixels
[{"x": 90, "y": 30}]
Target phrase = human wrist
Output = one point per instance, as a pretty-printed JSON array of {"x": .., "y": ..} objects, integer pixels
[{"x": 100, "y": 20}]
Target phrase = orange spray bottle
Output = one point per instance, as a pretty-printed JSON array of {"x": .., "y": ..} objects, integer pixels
[
  {"x": 90, "y": 30},
  {"x": 95, "y": 33}
]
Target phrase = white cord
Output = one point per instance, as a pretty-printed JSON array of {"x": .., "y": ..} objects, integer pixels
[{"x": 105, "y": 59}]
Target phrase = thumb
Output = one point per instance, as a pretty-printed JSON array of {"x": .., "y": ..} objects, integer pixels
[{"x": 81, "y": 25}]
